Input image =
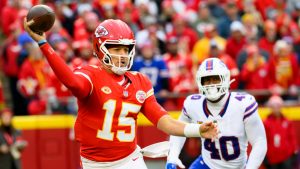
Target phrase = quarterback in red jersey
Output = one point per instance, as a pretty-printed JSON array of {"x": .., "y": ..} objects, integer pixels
[{"x": 110, "y": 98}]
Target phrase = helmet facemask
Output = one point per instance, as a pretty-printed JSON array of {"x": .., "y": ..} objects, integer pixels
[
  {"x": 213, "y": 91},
  {"x": 119, "y": 64}
]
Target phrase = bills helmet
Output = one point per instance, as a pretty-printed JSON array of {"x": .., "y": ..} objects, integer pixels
[
  {"x": 109, "y": 33},
  {"x": 213, "y": 67}
]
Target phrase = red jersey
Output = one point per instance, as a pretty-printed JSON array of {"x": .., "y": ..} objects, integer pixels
[
  {"x": 281, "y": 137},
  {"x": 12, "y": 53},
  {"x": 106, "y": 123},
  {"x": 267, "y": 45}
]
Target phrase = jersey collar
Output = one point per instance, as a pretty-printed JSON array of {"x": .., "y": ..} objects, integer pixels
[{"x": 222, "y": 112}]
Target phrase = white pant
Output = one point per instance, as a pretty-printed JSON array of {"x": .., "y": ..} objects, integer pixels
[{"x": 133, "y": 161}]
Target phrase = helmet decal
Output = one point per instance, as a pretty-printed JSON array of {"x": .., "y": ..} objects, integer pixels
[
  {"x": 101, "y": 31},
  {"x": 209, "y": 65}
]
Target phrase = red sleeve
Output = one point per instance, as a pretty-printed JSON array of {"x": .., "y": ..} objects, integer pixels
[
  {"x": 77, "y": 84},
  {"x": 152, "y": 110}
]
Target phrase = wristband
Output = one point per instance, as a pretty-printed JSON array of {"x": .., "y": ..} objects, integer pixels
[
  {"x": 192, "y": 130},
  {"x": 41, "y": 42}
]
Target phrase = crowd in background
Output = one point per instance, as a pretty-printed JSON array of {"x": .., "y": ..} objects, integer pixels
[{"x": 258, "y": 40}]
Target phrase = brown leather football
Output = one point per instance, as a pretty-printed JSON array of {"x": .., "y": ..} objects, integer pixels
[{"x": 40, "y": 18}]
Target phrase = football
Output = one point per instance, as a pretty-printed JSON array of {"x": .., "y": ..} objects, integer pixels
[{"x": 40, "y": 18}]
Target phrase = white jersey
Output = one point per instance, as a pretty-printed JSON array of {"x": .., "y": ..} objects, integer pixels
[{"x": 230, "y": 150}]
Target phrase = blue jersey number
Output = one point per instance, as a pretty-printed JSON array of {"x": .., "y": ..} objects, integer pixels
[{"x": 224, "y": 142}]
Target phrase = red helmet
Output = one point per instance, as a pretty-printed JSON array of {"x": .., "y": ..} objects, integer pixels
[{"x": 113, "y": 32}]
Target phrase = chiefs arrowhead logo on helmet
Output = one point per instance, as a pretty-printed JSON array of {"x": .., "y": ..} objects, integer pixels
[{"x": 101, "y": 31}]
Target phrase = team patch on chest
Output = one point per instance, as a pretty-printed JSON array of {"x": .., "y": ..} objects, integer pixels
[
  {"x": 106, "y": 90},
  {"x": 140, "y": 96}
]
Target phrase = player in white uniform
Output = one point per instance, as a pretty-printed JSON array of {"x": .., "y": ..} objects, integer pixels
[{"x": 237, "y": 119}]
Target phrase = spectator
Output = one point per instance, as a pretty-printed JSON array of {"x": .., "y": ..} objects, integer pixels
[
  {"x": 168, "y": 10},
  {"x": 180, "y": 68},
  {"x": 187, "y": 37},
  {"x": 84, "y": 26},
  {"x": 33, "y": 76},
  {"x": 251, "y": 26},
  {"x": 242, "y": 56},
  {"x": 130, "y": 16},
  {"x": 66, "y": 15},
  {"x": 201, "y": 49},
  {"x": 83, "y": 51},
  {"x": 11, "y": 58},
  {"x": 110, "y": 12},
  {"x": 155, "y": 68},
  {"x": 267, "y": 41},
  {"x": 254, "y": 73},
  {"x": 11, "y": 142},
  {"x": 9, "y": 15},
  {"x": 283, "y": 70},
  {"x": 226, "y": 20},
  {"x": 296, "y": 12},
  {"x": 295, "y": 35},
  {"x": 267, "y": 8},
  {"x": 151, "y": 32},
  {"x": 285, "y": 25},
  {"x": 216, "y": 10},
  {"x": 237, "y": 39},
  {"x": 204, "y": 19},
  {"x": 281, "y": 137},
  {"x": 249, "y": 7},
  {"x": 146, "y": 8},
  {"x": 58, "y": 32}
]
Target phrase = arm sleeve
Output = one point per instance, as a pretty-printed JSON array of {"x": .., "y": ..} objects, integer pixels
[
  {"x": 256, "y": 134},
  {"x": 79, "y": 85},
  {"x": 177, "y": 142},
  {"x": 153, "y": 110}
]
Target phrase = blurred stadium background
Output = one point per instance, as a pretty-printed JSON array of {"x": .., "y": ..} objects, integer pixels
[{"x": 259, "y": 40}]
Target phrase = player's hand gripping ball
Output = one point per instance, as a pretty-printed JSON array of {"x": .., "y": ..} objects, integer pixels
[{"x": 40, "y": 18}]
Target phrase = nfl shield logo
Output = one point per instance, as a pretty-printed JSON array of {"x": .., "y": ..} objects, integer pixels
[{"x": 125, "y": 93}]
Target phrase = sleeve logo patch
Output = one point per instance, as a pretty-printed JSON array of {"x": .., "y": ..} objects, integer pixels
[{"x": 140, "y": 96}]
